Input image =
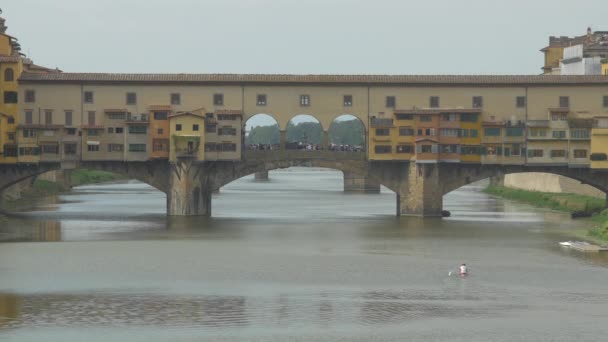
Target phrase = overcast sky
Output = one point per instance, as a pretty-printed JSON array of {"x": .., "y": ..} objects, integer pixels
[{"x": 296, "y": 36}]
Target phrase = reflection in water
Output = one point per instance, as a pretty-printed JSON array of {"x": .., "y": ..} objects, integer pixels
[
  {"x": 10, "y": 307},
  {"x": 294, "y": 259}
]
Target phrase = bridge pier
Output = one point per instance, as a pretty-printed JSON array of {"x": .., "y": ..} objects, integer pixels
[
  {"x": 188, "y": 194},
  {"x": 357, "y": 183},
  {"x": 421, "y": 193},
  {"x": 325, "y": 141}
]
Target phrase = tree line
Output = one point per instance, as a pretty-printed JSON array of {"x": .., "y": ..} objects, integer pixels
[{"x": 341, "y": 132}]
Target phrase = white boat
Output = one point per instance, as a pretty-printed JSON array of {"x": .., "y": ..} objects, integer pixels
[{"x": 566, "y": 243}]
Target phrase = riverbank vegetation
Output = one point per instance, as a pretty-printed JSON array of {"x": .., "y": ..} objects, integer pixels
[
  {"x": 84, "y": 177},
  {"x": 566, "y": 202}
]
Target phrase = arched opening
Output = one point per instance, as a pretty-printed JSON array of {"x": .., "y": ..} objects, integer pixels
[
  {"x": 262, "y": 133},
  {"x": 9, "y": 75},
  {"x": 304, "y": 132},
  {"x": 347, "y": 134}
]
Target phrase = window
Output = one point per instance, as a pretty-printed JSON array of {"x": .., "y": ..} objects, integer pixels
[
  {"x": 94, "y": 132},
  {"x": 404, "y": 116},
  {"x": 30, "y": 96},
  {"x": 210, "y": 147},
  {"x": 348, "y": 100},
  {"x": 537, "y": 132},
  {"x": 218, "y": 99},
  {"x": 469, "y": 117},
  {"x": 491, "y": 132},
  {"x": 88, "y": 97},
  {"x": 558, "y": 153},
  {"x": 605, "y": 101},
  {"x": 69, "y": 149},
  {"x": 10, "y": 120},
  {"x": 579, "y": 134},
  {"x": 304, "y": 100},
  {"x": 71, "y": 131},
  {"x": 119, "y": 130},
  {"x": 425, "y": 118},
  {"x": 9, "y": 75},
  {"x": 111, "y": 130},
  {"x": 448, "y": 117},
  {"x": 406, "y": 131},
  {"x": 48, "y": 117},
  {"x": 137, "y": 147},
  {"x": 382, "y": 132},
  {"x": 474, "y": 133},
  {"x": 477, "y": 101},
  {"x": 116, "y": 147},
  {"x": 195, "y": 127},
  {"x": 178, "y": 127},
  {"x": 50, "y": 149},
  {"x": 564, "y": 102},
  {"x": 10, "y": 150},
  {"x": 226, "y": 117},
  {"x": 226, "y": 131},
  {"x": 29, "y": 117},
  {"x": 450, "y": 132},
  {"x": 161, "y": 115},
  {"x": 430, "y": 132},
  {"x": 535, "y": 153},
  {"x": 10, "y": 97},
  {"x": 598, "y": 156},
  {"x": 10, "y": 136},
  {"x": 405, "y": 149},
  {"x": 514, "y": 131},
  {"x": 559, "y": 134},
  {"x": 29, "y": 133},
  {"x": 426, "y": 149},
  {"x": 261, "y": 100},
  {"x": 449, "y": 148},
  {"x": 29, "y": 151},
  {"x": 434, "y": 102},
  {"x": 471, "y": 150},
  {"x": 91, "y": 118},
  {"x": 382, "y": 149},
  {"x": 227, "y": 147},
  {"x": 520, "y": 102},
  {"x": 464, "y": 133},
  {"x": 176, "y": 99},
  {"x": 131, "y": 98},
  {"x": 138, "y": 129},
  {"x": 93, "y": 147},
  {"x": 160, "y": 145},
  {"x": 391, "y": 102},
  {"x": 159, "y": 131},
  {"x": 580, "y": 153},
  {"x": 116, "y": 115},
  {"x": 68, "y": 117},
  {"x": 210, "y": 128}
]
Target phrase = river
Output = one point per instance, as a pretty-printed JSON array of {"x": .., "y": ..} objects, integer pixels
[{"x": 293, "y": 259}]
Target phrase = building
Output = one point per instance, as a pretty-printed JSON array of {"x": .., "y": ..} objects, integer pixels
[{"x": 580, "y": 55}]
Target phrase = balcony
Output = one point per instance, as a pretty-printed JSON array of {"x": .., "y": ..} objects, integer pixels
[
  {"x": 380, "y": 123},
  {"x": 137, "y": 119},
  {"x": 186, "y": 152}
]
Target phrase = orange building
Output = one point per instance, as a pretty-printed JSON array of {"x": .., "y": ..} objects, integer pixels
[
  {"x": 159, "y": 135},
  {"x": 427, "y": 143}
]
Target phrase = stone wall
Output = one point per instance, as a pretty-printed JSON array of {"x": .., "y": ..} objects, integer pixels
[{"x": 546, "y": 182}]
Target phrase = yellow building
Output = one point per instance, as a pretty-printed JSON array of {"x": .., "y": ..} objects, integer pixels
[
  {"x": 599, "y": 143},
  {"x": 187, "y": 130},
  {"x": 11, "y": 66},
  {"x": 382, "y": 134},
  {"x": 470, "y": 136},
  {"x": 605, "y": 67}
]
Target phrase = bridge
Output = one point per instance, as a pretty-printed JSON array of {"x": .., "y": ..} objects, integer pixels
[{"x": 189, "y": 184}]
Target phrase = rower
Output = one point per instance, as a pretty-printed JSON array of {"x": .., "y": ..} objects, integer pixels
[{"x": 463, "y": 270}]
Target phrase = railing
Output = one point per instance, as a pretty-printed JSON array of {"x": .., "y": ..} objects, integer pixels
[
  {"x": 185, "y": 152},
  {"x": 376, "y": 122},
  {"x": 266, "y": 155}
]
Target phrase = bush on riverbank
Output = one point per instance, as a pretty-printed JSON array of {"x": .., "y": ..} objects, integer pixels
[
  {"x": 556, "y": 201},
  {"x": 563, "y": 202},
  {"x": 84, "y": 177}
]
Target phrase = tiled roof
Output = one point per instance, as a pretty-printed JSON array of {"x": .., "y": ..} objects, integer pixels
[{"x": 316, "y": 79}]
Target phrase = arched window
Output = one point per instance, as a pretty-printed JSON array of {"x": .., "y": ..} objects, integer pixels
[{"x": 9, "y": 75}]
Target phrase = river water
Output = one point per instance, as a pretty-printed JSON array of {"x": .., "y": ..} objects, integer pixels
[{"x": 293, "y": 259}]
